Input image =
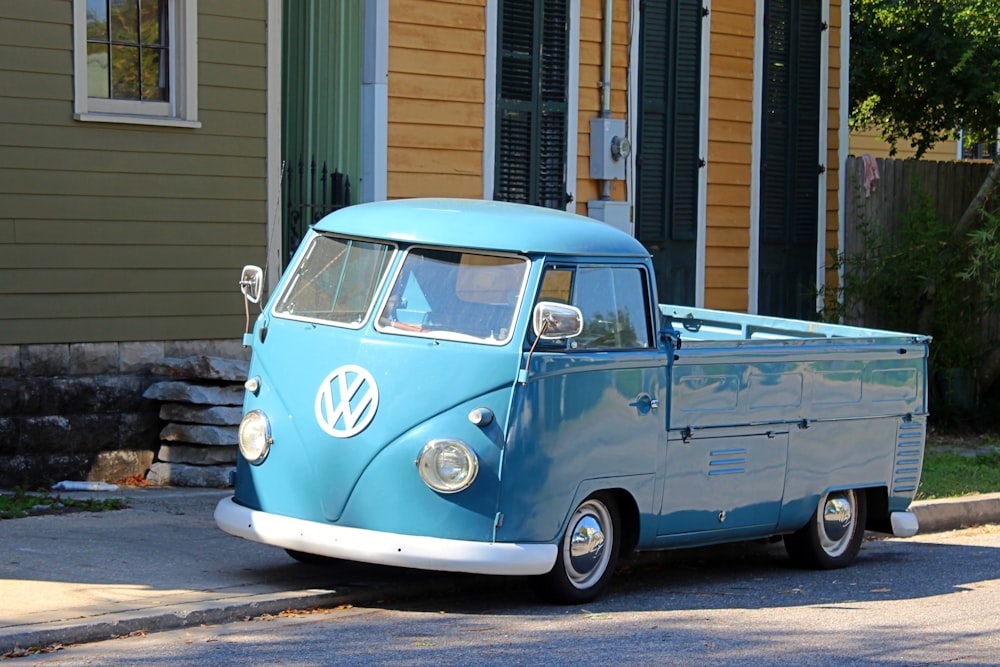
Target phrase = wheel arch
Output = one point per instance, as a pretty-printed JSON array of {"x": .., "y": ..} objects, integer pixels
[
  {"x": 630, "y": 493},
  {"x": 628, "y": 515},
  {"x": 877, "y": 498}
]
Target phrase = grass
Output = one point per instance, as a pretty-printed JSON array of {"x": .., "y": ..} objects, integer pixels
[
  {"x": 960, "y": 466},
  {"x": 20, "y": 503}
]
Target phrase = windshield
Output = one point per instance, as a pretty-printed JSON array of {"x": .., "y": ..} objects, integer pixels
[
  {"x": 455, "y": 295},
  {"x": 335, "y": 281}
]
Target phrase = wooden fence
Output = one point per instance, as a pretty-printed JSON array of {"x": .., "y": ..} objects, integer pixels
[{"x": 951, "y": 185}]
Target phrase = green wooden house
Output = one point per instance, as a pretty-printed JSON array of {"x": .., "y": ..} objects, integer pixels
[{"x": 150, "y": 150}]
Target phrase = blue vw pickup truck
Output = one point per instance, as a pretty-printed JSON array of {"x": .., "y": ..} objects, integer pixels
[{"x": 484, "y": 387}]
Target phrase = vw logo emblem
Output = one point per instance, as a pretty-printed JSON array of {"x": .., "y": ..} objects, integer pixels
[{"x": 346, "y": 401}]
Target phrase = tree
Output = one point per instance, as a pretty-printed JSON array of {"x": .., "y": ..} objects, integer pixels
[{"x": 923, "y": 69}]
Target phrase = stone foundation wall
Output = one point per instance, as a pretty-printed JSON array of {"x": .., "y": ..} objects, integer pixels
[{"x": 76, "y": 411}]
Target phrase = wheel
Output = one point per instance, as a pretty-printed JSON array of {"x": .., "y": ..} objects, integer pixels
[
  {"x": 587, "y": 553},
  {"x": 834, "y": 533},
  {"x": 311, "y": 559}
]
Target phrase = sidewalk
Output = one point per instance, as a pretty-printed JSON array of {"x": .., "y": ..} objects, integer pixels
[{"x": 163, "y": 564}]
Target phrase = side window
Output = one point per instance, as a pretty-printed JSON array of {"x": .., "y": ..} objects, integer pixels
[
  {"x": 613, "y": 302},
  {"x": 136, "y": 62},
  {"x": 557, "y": 285}
]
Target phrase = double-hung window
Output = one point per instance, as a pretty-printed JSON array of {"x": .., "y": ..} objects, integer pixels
[{"x": 135, "y": 61}]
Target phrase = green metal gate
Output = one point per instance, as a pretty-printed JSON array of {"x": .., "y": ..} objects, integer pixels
[{"x": 321, "y": 110}]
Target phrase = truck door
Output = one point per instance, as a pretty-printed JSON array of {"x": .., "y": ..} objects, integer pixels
[{"x": 591, "y": 413}]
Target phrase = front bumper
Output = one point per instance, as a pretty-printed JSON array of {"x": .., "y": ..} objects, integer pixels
[{"x": 369, "y": 546}]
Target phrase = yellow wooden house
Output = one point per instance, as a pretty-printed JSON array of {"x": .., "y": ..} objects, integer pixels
[{"x": 712, "y": 130}]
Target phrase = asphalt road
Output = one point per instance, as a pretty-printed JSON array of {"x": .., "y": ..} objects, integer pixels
[{"x": 927, "y": 600}]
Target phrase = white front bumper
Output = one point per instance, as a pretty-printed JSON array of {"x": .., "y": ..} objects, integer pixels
[{"x": 369, "y": 546}]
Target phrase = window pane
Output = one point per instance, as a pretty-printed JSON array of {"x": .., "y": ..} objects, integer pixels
[
  {"x": 152, "y": 22},
  {"x": 455, "y": 296},
  {"x": 97, "y": 71},
  {"x": 335, "y": 281},
  {"x": 613, "y": 306},
  {"x": 632, "y": 314},
  {"x": 154, "y": 75},
  {"x": 97, "y": 19},
  {"x": 125, "y": 21},
  {"x": 124, "y": 72},
  {"x": 556, "y": 285}
]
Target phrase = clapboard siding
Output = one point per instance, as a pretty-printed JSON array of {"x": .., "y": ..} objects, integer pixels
[
  {"x": 870, "y": 141},
  {"x": 589, "y": 91},
  {"x": 164, "y": 210},
  {"x": 436, "y": 96},
  {"x": 118, "y": 232},
  {"x": 149, "y": 280},
  {"x": 36, "y": 11},
  {"x": 95, "y": 136},
  {"x": 418, "y": 61},
  {"x": 179, "y": 256},
  {"x": 135, "y": 328},
  {"x": 730, "y": 119},
  {"x": 16, "y": 32},
  {"x": 437, "y": 135},
  {"x": 832, "y": 158},
  {"x": 421, "y": 184},
  {"x": 35, "y": 60},
  {"x": 84, "y": 306},
  {"x": 128, "y": 232},
  {"x": 81, "y": 159}
]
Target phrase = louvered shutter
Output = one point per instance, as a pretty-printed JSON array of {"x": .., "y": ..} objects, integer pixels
[
  {"x": 790, "y": 158},
  {"x": 668, "y": 142},
  {"x": 553, "y": 79},
  {"x": 532, "y": 102}
]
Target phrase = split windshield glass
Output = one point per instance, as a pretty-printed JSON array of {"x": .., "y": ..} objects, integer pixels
[
  {"x": 455, "y": 295},
  {"x": 335, "y": 281}
]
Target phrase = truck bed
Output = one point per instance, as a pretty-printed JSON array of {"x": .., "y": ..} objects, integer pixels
[{"x": 702, "y": 324}]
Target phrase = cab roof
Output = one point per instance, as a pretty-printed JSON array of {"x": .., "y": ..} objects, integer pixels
[{"x": 482, "y": 225}]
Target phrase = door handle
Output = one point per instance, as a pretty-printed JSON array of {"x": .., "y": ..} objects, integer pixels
[{"x": 643, "y": 403}]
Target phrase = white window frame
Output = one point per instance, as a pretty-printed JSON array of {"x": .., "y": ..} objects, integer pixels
[{"x": 180, "y": 111}]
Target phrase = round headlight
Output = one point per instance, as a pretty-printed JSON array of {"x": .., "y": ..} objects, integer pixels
[
  {"x": 447, "y": 466},
  {"x": 255, "y": 436}
]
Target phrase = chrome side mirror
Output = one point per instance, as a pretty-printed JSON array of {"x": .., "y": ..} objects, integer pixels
[
  {"x": 554, "y": 321},
  {"x": 251, "y": 283}
]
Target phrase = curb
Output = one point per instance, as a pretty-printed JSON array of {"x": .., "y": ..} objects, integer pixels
[
  {"x": 954, "y": 513},
  {"x": 215, "y": 612}
]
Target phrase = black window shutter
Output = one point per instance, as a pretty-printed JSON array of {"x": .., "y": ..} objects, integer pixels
[
  {"x": 790, "y": 158},
  {"x": 532, "y": 102},
  {"x": 668, "y": 158}
]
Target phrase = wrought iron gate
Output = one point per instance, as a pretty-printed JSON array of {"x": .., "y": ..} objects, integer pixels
[{"x": 311, "y": 192}]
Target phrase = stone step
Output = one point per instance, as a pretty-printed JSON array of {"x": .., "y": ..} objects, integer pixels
[
  {"x": 177, "y": 391},
  {"x": 203, "y": 368},
  {"x": 218, "y": 415},
  {"x": 197, "y": 455},
  {"x": 182, "y": 474},
  {"x": 199, "y": 434}
]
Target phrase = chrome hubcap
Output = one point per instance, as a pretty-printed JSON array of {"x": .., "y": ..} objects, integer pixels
[
  {"x": 587, "y": 547},
  {"x": 836, "y": 522}
]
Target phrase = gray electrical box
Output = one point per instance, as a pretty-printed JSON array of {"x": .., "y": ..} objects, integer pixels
[
  {"x": 609, "y": 149},
  {"x": 615, "y": 213}
]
